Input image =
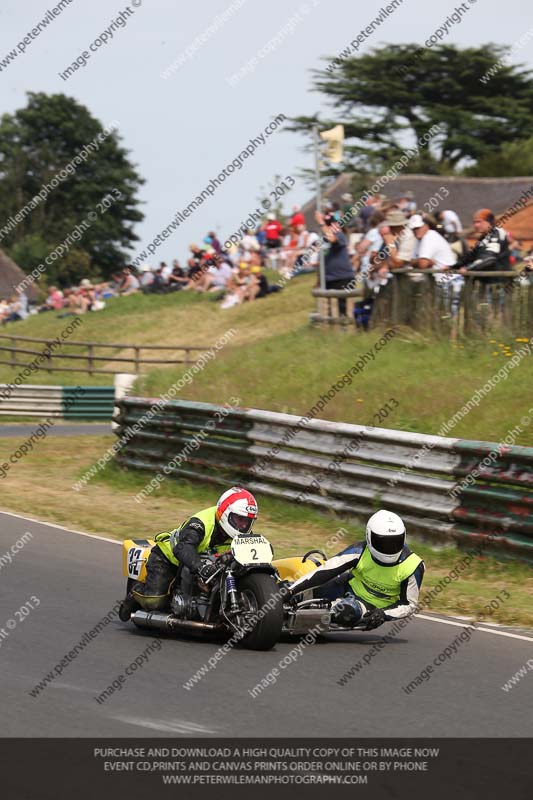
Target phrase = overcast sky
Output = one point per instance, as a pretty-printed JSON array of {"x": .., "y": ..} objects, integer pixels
[{"x": 183, "y": 130}]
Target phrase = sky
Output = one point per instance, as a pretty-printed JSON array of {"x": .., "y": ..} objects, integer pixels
[{"x": 182, "y": 130}]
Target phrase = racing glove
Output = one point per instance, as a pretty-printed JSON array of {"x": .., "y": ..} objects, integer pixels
[
  {"x": 206, "y": 569},
  {"x": 373, "y": 619}
]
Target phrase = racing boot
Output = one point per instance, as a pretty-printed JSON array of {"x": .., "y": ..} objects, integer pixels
[
  {"x": 347, "y": 611},
  {"x": 127, "y": 607}
]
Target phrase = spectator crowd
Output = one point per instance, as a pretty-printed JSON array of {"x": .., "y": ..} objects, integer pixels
[
  {"x": 236, "y": 275},
  {"x": 386, "y": 235},
  {"x": 392, "y": 234}
]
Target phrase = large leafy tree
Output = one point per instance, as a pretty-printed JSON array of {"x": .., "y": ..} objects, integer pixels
[
  {"x": 38, "y": 141},
  {"x": 389, "y": 98},
  {"x": 512, "y": 160}
]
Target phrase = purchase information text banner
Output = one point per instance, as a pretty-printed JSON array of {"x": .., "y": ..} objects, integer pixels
[{"x": 371, "y": 768}]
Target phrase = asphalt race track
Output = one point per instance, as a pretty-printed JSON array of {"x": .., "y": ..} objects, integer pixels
[{"x": 77, "y": 580}]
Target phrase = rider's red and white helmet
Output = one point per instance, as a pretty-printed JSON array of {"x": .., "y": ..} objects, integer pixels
[{"x": 236, "y": 511}]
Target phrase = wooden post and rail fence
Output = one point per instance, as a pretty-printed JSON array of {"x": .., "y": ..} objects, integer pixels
[
  {"x": 442, "y": 305},
  {"x": 18, "y": 354}
]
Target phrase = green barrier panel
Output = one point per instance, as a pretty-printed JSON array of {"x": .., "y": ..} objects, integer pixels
[{"x": 88, "y": 402}]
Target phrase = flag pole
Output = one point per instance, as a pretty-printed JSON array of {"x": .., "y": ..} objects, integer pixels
[{"x": 319, "y": 203}]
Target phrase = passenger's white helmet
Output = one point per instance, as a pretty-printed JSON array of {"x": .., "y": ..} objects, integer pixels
[
  {"x": 385, "y": 536},
  {"x": 236, "y": 511}
]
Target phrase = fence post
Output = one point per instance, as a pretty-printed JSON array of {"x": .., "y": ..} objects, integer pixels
[
  {"x": 137, "y": 359},
  {"x": 90, "y": 362},
  {"x": 13, "y": 352},
  {"x": 49, "y": 356},
  {"x": 468, "y": 306}
]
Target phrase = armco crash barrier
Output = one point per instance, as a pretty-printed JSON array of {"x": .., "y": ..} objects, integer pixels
[
  {"x": 68, "y": 402},
  {"x": 350, "y": 469}
]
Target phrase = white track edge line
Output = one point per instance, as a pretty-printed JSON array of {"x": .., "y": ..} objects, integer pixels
[
  {"x": 476, "y": 627},
  {"x": 61, "y": 527}
]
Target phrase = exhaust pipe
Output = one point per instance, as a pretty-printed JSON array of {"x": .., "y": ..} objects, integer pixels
[{"x": 168, "y": 622}]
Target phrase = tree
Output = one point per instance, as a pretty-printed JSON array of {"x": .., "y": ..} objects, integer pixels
[
  {"x": 389, "y": 98},
  {"x": 512, "y": 160},
  {"x": 36, "y": 143}
]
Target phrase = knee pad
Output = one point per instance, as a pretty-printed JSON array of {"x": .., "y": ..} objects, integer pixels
[{"x": 346, "y": 611}]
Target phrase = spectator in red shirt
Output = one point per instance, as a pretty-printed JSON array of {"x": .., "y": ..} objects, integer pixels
[
  {"x": 297, "y": 217},
  {"x": 273, "y": 228}
]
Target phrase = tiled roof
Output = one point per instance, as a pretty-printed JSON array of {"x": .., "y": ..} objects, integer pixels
[
  {"x": 10, "y": 276},
  {"x": 466, "y": 195}
]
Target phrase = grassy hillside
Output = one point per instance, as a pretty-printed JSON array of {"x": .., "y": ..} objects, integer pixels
[{"x": 275, "y": 360}]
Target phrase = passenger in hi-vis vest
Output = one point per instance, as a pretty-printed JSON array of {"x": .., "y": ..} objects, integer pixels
[
  {"x": 370, "y": 582},
  {"x": 208, "y": 531}
]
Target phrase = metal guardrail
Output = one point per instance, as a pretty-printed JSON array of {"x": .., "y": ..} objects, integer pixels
[
  {"x": 67, "y": 402},
  {"x": 280, "y": 455},
  {"x": 134, "y": 362}
]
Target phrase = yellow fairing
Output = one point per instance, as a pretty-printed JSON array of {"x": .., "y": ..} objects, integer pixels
[
  {"x": 135, "y": 554},
  {"x": 290, "y": 569}
]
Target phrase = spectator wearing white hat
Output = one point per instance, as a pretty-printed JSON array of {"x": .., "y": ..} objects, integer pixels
[
  {"x": 146, "y": 277},
  {"x": 432, "y": 251}
]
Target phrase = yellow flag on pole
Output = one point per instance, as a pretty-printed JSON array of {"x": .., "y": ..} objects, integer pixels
[{"x": 335, "y": 139}]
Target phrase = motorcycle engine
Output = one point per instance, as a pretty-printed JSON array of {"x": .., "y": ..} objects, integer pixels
[
  {"x": 181, "y": 605},
  {"x": 185, "y": 606}
]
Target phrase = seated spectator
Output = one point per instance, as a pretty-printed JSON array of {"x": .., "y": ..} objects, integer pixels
[
  {"x": 194, "y": 264},
  {"x": 166, "y": 272},
  {"x": 288, "y": 251},
  {"x": 130, "y": 284},
  {"x": 249, "y": 244},
  {"x": 100, "y": 291},
  {"x": 219, "y": 276},
  {"x": 77, "y": 303},
  {"x": 178, "y": 278},
  {"x": 87, "y": 294},
  {"x": 4, "y": 311},
  {"x": 54, "y": 301},
  {"x": 18, "y": 307},
  {"x": 146, "y": 278},
  {"x": 13, "y": 308}
]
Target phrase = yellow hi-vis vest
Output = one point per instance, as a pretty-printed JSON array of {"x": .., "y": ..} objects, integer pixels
[
  {"x": 166, "y": 541},
  {"x": 380, "y": 585}
]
